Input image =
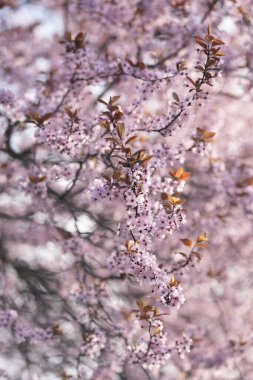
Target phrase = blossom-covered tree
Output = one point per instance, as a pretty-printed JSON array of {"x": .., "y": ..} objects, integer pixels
[{"x": 126, "y": 184}]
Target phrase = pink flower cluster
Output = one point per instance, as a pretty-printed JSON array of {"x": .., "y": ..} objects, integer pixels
[
  {"x": 6, "y": 97},
  {"x": 142, "y": 265},
  {"x": 93, "y": 343},
  {"x": 23, "y": 332}
]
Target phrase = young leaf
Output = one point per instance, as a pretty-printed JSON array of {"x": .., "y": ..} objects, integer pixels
[
  {"x": 217, "y": 42},
  {"x": 191, "y": 80},
  {"x": 36, "y": 180},
  {"x": 202, "y": 245},
  {"x": 130, "y": 140},
  {"x": 121, "y": 130},
  {"x": 102, "y": 101},
  {"x": 114, "y": 99},
  {"x": 202, "y": 237},
  {"x": 157, "y": 330},
  {"x": 187, "y": 242},
  {"x": 201, "y": 43},
  {"x": 175, "y": 96}
]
